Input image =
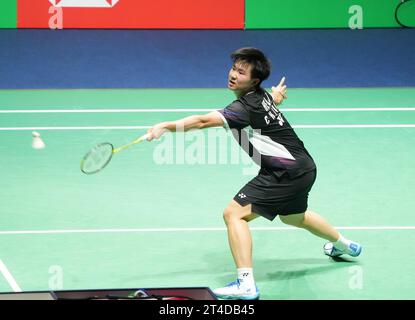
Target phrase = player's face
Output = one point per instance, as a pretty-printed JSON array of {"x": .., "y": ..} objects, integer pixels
[{"x": 239, "y": 79}]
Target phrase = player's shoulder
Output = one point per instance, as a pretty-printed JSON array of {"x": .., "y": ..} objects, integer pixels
[
  {"x": 236, "y": 105},
  {"x": 255, "y": 99}
]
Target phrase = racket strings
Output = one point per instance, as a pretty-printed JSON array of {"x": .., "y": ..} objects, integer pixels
[
  {"x": 100, "y": 155},
  {"x": 97, "y": 158}
]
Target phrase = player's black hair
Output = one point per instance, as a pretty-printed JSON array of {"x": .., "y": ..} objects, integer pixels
[{"x": 261, "y": 66}]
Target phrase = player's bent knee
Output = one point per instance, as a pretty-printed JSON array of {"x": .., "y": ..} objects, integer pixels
[
  {"x": 234, "y": 211},
  {"x": 230, "y": 214},
  {"x": 227, "y": 215}
]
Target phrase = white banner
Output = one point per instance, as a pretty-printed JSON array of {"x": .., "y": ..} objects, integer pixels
[{"x": 84, "y": 3}]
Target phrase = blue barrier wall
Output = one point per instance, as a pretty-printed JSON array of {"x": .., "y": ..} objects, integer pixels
[{"x": 200, "y": 58}]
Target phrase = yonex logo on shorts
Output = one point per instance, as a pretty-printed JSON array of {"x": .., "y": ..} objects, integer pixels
[{"x": 241, "y": 195}]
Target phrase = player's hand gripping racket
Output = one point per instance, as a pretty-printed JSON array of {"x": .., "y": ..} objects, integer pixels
[{"x": 100, "y": 155}]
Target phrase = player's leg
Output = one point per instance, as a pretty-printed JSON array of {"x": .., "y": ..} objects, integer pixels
[
  {"x": 236, "y": 218},
  {"x": 312, "y": 222},
  {"x": 317, "y": 225}
]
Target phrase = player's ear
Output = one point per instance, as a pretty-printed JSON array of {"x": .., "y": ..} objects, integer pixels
[{"x": 255, "y": 82}]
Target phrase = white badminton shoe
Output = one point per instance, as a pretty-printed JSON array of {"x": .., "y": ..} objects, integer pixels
[
  {"x": 237, "y": 291},
  {"x": 353, "y": 249}
]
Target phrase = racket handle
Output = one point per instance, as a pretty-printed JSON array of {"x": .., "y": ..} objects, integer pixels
[
  {"x": 144, "y": 137},
  {"x": 138, "y": 140}
]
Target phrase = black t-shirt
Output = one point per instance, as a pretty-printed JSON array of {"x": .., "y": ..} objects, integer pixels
[{"x": 264, "y": 133}]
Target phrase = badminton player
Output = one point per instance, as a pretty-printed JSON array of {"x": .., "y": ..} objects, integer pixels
[{"x": 287, "y": 170}]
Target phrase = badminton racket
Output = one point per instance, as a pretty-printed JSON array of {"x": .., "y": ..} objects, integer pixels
[{"x": 101, "y": 154}]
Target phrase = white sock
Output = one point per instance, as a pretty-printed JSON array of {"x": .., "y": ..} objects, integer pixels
[
  {"x": 342, "y": 243},
  {"x": 246, "y": 277}
]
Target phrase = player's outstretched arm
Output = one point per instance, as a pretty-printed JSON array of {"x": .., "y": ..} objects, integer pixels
[
  {"x": 279, "y": 93},
  {"x": 211, "y": 119}
]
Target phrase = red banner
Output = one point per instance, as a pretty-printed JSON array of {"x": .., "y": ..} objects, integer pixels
[{"x": 131, "y": 14}]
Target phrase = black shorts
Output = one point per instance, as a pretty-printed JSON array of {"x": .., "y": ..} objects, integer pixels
[{"x": 271, "y": 195}]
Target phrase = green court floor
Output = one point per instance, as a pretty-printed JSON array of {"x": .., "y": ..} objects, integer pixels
[{"x": 153, "y": 218}]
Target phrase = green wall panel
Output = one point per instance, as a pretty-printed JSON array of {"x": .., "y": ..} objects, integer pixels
[
  {"x": 8, "y": 13},
  {"x": 263, "y": 14}
]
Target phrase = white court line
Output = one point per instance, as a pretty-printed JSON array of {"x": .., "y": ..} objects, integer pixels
[
  {"x": 191, "y": 230},
  {"x": 74, "y": 128},
  {"x": 106, "y": 110},
  {"x": 9, "y": 278},
  {"x": 198, "y": 110},
  {"x": 343, "y": 109},
  {"x": 301, "y": 126},
  {"x": 352, "y": 126}
]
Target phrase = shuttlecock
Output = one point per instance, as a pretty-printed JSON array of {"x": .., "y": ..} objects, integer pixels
[{"x": 37, "y": 142}]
